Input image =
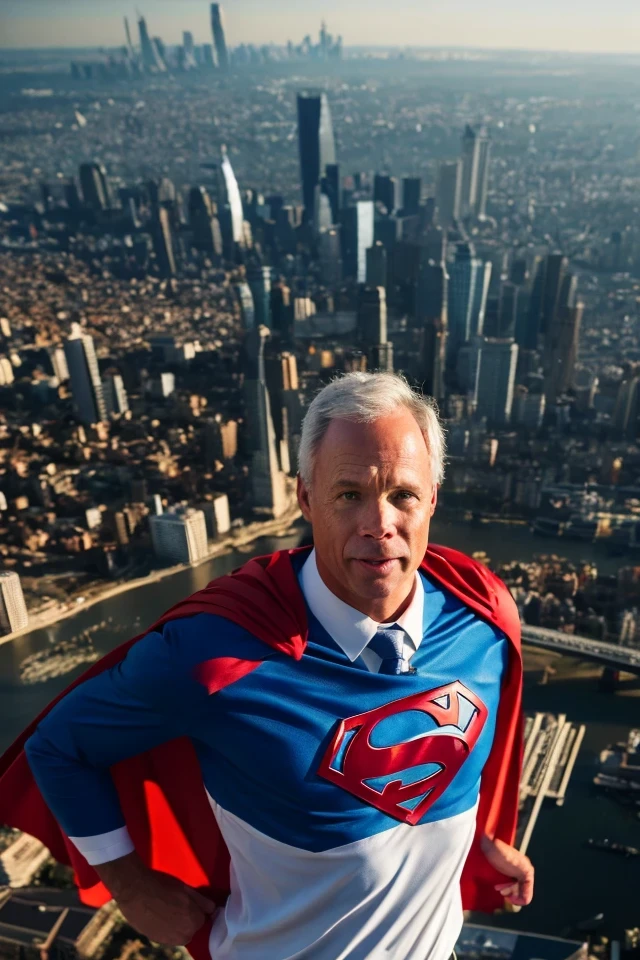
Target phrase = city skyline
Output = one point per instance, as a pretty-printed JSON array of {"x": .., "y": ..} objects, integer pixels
[{"x": 497, "y": 25}]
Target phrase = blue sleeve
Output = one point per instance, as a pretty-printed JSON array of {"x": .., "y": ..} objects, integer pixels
[{"x": 150, "y": 697}]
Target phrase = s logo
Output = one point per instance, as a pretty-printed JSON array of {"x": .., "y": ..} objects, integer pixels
[{"x": 403, "y": 755}]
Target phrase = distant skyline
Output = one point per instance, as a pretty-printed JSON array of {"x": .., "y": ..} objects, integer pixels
[{"x": 561, "y": 25}]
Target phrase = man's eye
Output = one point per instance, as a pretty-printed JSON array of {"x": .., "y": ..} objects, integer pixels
[
  {"x": 405, "y": 494},
  {"x": 350, "y": 493}
]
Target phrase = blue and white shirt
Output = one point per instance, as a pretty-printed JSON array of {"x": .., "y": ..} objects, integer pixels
[{"x": 347, "y": 798}]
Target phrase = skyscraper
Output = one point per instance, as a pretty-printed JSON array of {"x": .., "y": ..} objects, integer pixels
[
  {"x": 13, "y": 610},
  {"x": 483, "y": 148},
  {"x": 95, "y": 187},
  {"x": 357, "y": 237},
  {"x": 330, "y": 259},
  {"x": 376, "y": 266},
  {"x": 528, "y": 325},
  {"x": 86, "y": 386},
  {"x": 469, "y": 171},
  {"x": 151, "y": 57},
  {"x": 449, "y": 192},
  {"x": 219, "y": 41},
  {"x": 555, "y": 268},
  {"x": 476, "y": 153},
  {"x": 205, "y": 226},
  {"x": 162, "y": 237},
  {"x": 431, "y": 318},
  {"x": 259, "y": 281},
  {"x": 331, "y": 187},
  {"x": 464, "y": 273},
  {"x": 230, "y": 212},
  {"x": 282, "y": 311},
  {"x": 386, "y": 190},
  {"x": 371, "y": 316},
  {"x": 495, "y": 368},
  {"x": 267, "y": 480},
  {"x": 316, "y": 144},
  {"x": 561, "y": 350},
  {"x": 411, "y": 194},
  {"x": 508, "y": 309},
  {"x": 247, "y": 308}
]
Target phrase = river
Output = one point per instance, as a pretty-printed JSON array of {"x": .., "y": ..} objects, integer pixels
[{"x": 573, "y": 883}]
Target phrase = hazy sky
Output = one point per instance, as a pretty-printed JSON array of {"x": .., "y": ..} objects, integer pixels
[{"x": 598, "y": 25}]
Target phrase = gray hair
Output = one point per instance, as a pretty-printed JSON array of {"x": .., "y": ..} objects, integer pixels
[{"x": 364, "y": 397}]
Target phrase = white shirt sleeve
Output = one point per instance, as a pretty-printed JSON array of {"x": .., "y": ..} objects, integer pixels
[{"x": 104, "y": 847}]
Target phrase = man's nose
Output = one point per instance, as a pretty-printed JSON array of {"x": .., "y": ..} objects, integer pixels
[{"x": 377, "y": 519}]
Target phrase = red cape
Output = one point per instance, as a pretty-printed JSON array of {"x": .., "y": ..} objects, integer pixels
[{"x": 161, "y": 791}]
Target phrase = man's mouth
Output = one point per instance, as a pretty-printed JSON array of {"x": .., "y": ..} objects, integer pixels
[{"x": 383, "y": 565}]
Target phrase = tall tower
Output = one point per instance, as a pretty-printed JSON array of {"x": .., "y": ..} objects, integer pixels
[
  {"x": 562, "y": 350},
  {"x": 448, "y": 192},
  {"x": 554, "y": 273},
  {"x": 162, "y": 237},
  {"x": 316, "y": 143},
  {"x": 259, "y": 281},
  {"x": 431, "y": 318},
  {"x": 386, "y": 190},
  {"x": 483, "y": 151},
  {"x": 230, "y": 211},
  {"x": 86, "y": 386},
  {"x": 411, "y": 194},
  {"x": 330, "y": 259},
  {"x": 267, "y": 480},
  {"x": 151, "y": 58},
  {"x": 247, "y": 308},
  {"x": 372, "y": 316},
  {"x": 94, "y": 185},
  {"x": 219, "y": 41},
  {"x": 13, "y": 610},
  {"x": 357, "y": 236},
  {"x": 376, "y": 266},
  {"x": 464, "y": 273},
  {"x": 495, "y": 377},
  {"x": 205, "y": 226},
  {"x": 469, "y": 171}
]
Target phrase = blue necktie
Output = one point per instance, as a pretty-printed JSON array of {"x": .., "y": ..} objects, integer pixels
[{"x": 388, "y": 642}]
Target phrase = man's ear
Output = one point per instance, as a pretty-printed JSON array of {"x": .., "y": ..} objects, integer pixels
[
  {"x": 303, "y": 498},
  {"x": 434, "y": 499}
]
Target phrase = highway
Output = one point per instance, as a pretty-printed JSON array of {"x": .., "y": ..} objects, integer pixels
[{"x": 609, "y": 654}]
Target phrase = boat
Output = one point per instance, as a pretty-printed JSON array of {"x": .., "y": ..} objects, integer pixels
[{"x": 612, "y": 847}]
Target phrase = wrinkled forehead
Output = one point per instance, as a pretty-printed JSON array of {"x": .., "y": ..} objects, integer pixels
[{"x": 358, "y": 470}]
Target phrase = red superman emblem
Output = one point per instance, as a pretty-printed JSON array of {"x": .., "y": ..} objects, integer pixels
[{"x": 405, "y": 778}]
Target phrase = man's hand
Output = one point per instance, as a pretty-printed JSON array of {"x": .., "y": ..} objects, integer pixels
[
  {"x": 156, "y": 904},
  {"x": 514, "y": 864}
]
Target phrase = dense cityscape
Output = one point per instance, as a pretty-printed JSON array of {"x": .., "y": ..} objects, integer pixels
[{"x": 194, "y": 239}]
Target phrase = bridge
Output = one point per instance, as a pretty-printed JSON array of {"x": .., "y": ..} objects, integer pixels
[{"x": 608, "y": 654}]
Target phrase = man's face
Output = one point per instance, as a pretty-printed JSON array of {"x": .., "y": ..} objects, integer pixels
[{"x": 371, "y": 500}]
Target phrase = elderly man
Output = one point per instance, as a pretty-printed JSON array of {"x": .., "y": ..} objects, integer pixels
[{"x": 353, "y": 714}]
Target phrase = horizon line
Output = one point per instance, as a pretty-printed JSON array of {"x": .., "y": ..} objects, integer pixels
[{"x": 368, "y": 46}]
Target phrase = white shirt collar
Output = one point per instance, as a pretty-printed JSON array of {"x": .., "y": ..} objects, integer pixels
[{"x": 351, "y": 629}]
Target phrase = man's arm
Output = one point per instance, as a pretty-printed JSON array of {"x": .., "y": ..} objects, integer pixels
[
  {"x": 147, "y": 699},
  {"x": 163, "y": 908}
]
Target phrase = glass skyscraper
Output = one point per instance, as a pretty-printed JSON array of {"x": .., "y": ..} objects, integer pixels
[
  {"x": 219, "y": 41},
  {"x": 317, "y": 146}
]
